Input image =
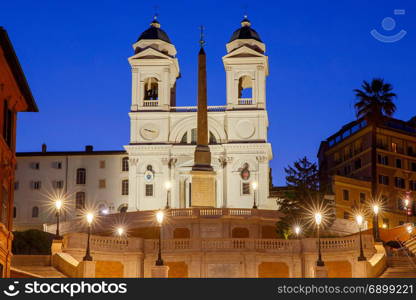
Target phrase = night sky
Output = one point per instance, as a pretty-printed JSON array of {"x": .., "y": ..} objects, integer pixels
[{"x": 74, "y": 54}]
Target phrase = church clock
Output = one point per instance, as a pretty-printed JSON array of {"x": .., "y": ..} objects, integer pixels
[{"x": 149, "y": 131}]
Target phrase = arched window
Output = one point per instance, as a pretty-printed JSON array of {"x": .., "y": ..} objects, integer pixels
[
  {"x": 35, "y": 212},
  {"x": 81, "y": 176},
  {"x": 245, "y": 90},
  {"x": 125, "y": 164},
  {"x": 151, "y": 89},
  {"x": 190, "y": 137},
  {"x": 125, "y": 187},
  {"x": 102, "y": 210},
  {"x": 123, "y": 208},
  {"x": 80, "y": 200}
]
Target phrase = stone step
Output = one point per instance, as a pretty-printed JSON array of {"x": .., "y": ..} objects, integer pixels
[
  {"x": 399, "y": 272},
  {"x": 42, "y": 271}
]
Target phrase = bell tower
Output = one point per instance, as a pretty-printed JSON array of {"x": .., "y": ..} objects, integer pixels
[
  {"x": 154, "y": 69},
  {"x": 246, "y": 69}
]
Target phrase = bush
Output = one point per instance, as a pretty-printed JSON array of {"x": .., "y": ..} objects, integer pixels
[{"x": 32, "y": 242}]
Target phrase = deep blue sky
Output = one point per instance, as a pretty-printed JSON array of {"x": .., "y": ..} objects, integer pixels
[{"x": 74, "y": 54}]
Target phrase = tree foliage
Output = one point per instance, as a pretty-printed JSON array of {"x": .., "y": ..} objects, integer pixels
[
  {"x": 301, "y": 196},
  {"x": 32, "y": 242},
  {"x": 375, "y": 100}
]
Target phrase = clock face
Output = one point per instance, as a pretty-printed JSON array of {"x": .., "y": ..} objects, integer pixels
[{"x": 149, "y": 131}]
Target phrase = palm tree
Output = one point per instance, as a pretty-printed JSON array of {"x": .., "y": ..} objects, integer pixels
[{"x": 374, "y": 103}]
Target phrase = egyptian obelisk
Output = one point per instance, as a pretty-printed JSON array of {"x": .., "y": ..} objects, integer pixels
[{"x": 203, "y": 176}]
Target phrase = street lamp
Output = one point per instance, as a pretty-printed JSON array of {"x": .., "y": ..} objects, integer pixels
[
  {"x": 359, "y": 219},
  {"x": 409, "y": 229},
  {"x": 376, "y": 231},
  {"x": 168, "y": 186},
  {"x": 406, "y": 205},
  {"x": 120, "y": 231},
  {"x": 90, "y": 219},
  {"x": 297, "y": 230},
  {"x": 159, "y": 218},
  {"x": 254, "y": 185},
  {"x": 58, "y": 206},
  {"x": 318, "y": 220}
]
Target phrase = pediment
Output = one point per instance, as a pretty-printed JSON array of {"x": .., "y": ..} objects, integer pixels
[
  {"x": 244, "y": 51},
  {"x": 150, "y": 53}
]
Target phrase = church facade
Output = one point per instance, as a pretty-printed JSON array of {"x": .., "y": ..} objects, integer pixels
[
  {"x": 163, "y": 135},
  {"x": 162, "y": 141}
]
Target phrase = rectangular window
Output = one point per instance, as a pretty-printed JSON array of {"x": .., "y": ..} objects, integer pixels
[
  {"x": 383, "y": 159},
  {"x": 58, "y": 184},
  {"x": 398, "y": 163},
  {"x": 149, "y": 190},
  {"x": 80, "y": 200},
  {"x": 57, "y": 165},
  {"x": 413, "y": 166},
  {"x": 346, "y": 215},
  {"x": 357, "y": 163},
  {"x": 81, "y": 176},
  {"x": 394, "y": 147},
  {"x": 362, "y": 197},
  {"x": 36, "y": 185},
  {"x": 245, "y": 188},
  {"x": 412, "y": 185},
  {"x": 346, "y": 195},
  {"x": 125, "y": 187},
  {"x": 399, "y": 182},
  {"x": 16, "y": 185},
  {"x": 102, "y": 164},
  {"x": 101, "y": 183},
  {"x": 125, "y": 164},
  {"x": 35, "y": 165},
  {"x": 383, "y": 179}
]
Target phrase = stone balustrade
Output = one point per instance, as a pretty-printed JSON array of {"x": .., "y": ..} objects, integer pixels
[
  {"x": 102, "y": 243},
  {"x": 138, "y": 217},
  {"x": 262, "y": 245}
]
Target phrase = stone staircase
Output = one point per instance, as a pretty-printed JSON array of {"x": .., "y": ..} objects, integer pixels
[
  {"x": 400, "y": 267},
  {"x": 34, "y": 266},
  {"x": 410, "y": 244},
  {"x": 39, "y": 271}
]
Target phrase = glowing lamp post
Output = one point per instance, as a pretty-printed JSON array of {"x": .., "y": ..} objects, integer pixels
[
  {"x": 318, "y": 220},
  {"x": 159, "y": 218},
  {"x": 376, "y": 231},
  {"x": 120, "y": 231},
  {"x": 406, "y": 208},
  {"x": 58, "y": 206},
  {"x": 359, "y": 219},
  {"x": 90, "y": 219},
  {"x": 297, "y": 231},
  {"x": 168, "y": 186},
  {"x": 254, "y": 186},
  {"x": 409, "y": 229}
]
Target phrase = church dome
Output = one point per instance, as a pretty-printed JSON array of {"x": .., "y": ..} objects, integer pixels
[
  {"x": 154, "y": 33},
  {"x": 245, "y": 32}
]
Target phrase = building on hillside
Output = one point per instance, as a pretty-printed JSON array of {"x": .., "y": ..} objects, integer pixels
[
  {"x": 345, "y": 168},
  {"x": 15, "y": 96},
  {"x": 162, "y": 141},
  {"x": 86, "y": 179}
]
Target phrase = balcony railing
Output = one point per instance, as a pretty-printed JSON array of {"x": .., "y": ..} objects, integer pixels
[
  {"x": 150, "y": 103},
  {"x": 245, "y": 101},
  {"x": 195, "y": 108}
]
